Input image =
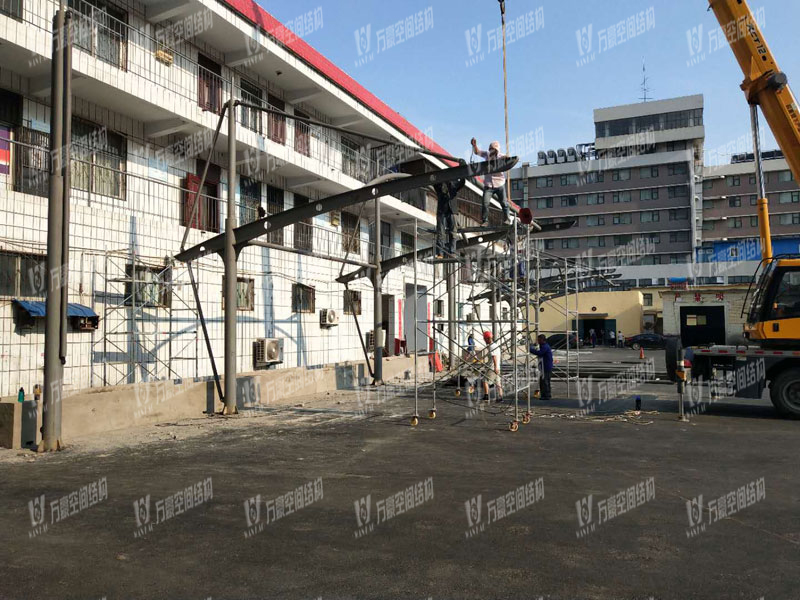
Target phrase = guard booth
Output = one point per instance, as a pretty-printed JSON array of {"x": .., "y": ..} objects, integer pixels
[{"x": 702, "y": 325}]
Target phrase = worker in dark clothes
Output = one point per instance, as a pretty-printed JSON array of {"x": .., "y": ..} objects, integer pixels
[
  {"x": 446, "y": 209},
  {"x": 545, "y": 354}
]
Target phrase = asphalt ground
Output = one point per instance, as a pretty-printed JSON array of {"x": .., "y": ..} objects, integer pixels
[{"x": 456, "y": 541}]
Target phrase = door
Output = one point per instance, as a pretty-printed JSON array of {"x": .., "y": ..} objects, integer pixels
[
  {"x": 387, "y": 324},
  {"x": 702, "y": 325},
  {"x": 386, "y": 240},
  {"x": 422, "y": 315},
  {"x": 276, "y": 124}
]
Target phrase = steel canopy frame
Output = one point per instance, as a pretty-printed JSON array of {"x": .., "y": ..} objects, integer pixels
[{"x": 244, "y": 234}]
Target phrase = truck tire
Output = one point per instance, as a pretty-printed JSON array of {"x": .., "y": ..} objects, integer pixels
[
  {"x": 672, "y": 353},
  {"x": 784, "y": 391}
]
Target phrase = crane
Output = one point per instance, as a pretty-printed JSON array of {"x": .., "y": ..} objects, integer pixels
[{"x": 773, "y": 313}]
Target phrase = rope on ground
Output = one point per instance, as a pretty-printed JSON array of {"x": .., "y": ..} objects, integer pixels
[{"x": 635, "y": 417}]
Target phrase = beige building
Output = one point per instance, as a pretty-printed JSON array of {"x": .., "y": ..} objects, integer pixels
[
  {"x": 630, "y": 311},
  {"x": 705, "y": 314}
]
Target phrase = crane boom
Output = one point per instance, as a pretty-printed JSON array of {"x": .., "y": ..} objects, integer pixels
[{"x": 764, "y": 83}]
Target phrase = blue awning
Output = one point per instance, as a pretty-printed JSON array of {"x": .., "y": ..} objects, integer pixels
[{"x": 37, "y": 308}]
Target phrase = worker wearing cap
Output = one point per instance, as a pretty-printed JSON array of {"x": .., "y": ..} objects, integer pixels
[
  {"x": 494, "y": 184},
  {"x": 493, "y": 357}
]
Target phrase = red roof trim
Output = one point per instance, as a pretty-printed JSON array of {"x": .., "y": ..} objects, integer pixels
[{"x": 270, "y": 25}]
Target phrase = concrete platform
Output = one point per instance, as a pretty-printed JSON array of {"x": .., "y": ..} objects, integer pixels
[{"x": 363, "y": 448}]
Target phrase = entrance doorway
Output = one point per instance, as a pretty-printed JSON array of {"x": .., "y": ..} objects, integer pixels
[
  {"x": 702, "y": 325},
  {"x": 388, "y": 324},
  {"x": 602, "y": 329}
]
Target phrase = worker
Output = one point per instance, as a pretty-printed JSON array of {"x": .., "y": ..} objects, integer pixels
[
  {"x": 612, "y": 340},
  {"x": 620, "y": 339},
  {"x": 494, "y": 184},
  {"x": 471, "y": 345},
  {"x": 545, "y": 354},
  {"x": 593, "y": 337},
  {"x": 446, "y": 209},
  {"x": 493, "y": 358}
]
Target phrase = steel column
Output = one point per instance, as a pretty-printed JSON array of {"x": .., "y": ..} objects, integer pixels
[{"x": 230, "y": 269}]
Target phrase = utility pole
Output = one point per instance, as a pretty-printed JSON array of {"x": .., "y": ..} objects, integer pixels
[
  {"x": 57, "y": 234},
  {"x": 377, "y": 282},
  {"x": 230, "y": 267}
]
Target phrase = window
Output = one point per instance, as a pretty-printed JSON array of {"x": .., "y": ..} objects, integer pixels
[
  {"x": 32, "y": 161},
  {"x": 148, "y": 286},
  {"x": 596, "y": 242},
  {"x": 250, "y": 117},
  {"x": 98, "y": 160},
  {"x": 649, "y": 216},
  {"x": 784, "y": 176},
  {"x": 406, "y": 242},
  {"x": 350, "y": 158},
  {"x": 594, "y": 177},
  {"x": 653, "y": 238},
  {"x": 734, "y": 202},
  {"x": 708, "y": 225},
  {"x": 621, "y": 197},
  {"x": 570, "y": 243},
  {"x": 209, "y": 84},
  {"x": 651, "y": 194},
  {"x": 276, "y": 124},
  {"x": 549, "y": 244},
  {"x": 678, "y": 236},
  {"x": 592, "y": 199},
  {"x": 302, "y": 134},
  {"x": 621, "y": 175},
  {"x": 677, "y": 169},
  {"x": 735, "y": 223},
  {"x": 733, "y": 180},
  {"x": 695, "y": 320},
  {"x": 12, "y": 8},
  {"x": 648, "y": 172},
  {"x": 351, "y": 233},
  {"x": 660, "y": 122},
  {"x": 651, "y": 259},
  {"x": 352, "y": 302},
  {"x": 647, "y": 299},
  {"x": 790, "y": 219},
  {"x": 753, "y": 221},
  {"x": 303, "y": 229},
  {"x": 516, "y": 185},
  {"x": 789, "y": 197},
  {"x": 275, "y": 206},
  {"x": 679, "y": 214},
  {"x": 595, "y": 220},
  {"x": 438, "y": 308},
  {"x": 23, "y": 275},
  {"x": 678, "y": 259},
  {"x": 621, "y": 240},
  {"x": 569, "y": 180},
  {"x": 249, "y": 200},
  {"x": 101, "y": 31},
  {"x": 303, "y": 298},
  {"x": 680, "y": 191},
  {"x": 787, "y": 297},
  {"x": 708, "y": 184},
  {"x": 245, "y": 293},
  {"x": 753, "y": 200},
  {"x": 622, "y": 218},
  {"x": 752, "y": 179},
  {"x": 569, "y": 201},
  {"x": 544, "y": 182},
  {"x": 708, "y": 204},
  {"x": 544, "y": 203}
]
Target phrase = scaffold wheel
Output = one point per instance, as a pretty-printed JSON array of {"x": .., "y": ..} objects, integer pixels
[
  {"x": 513, "y": 426},
  {"x": 458, "y": 392},
  {"x": 471, "y": 389},
  {"x": 414, "y": 421},
  {"x": 431, "y": 414},
  {"x": 526, "y": 418}
]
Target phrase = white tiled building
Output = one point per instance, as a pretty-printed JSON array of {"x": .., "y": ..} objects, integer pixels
[{"x": 149, "y": 79}]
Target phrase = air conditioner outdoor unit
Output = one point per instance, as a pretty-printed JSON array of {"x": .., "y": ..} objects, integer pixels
[
  {"x": 267, "y": 351},
  {"x": 472, "y": 317},
  {"x": 328, "y": 317}
]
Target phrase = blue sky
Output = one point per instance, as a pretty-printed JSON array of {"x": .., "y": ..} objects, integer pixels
[{"x": 434, "y": 80}]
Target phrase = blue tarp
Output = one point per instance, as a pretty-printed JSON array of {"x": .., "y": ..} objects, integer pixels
[{"x": 36, "y": 308}]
